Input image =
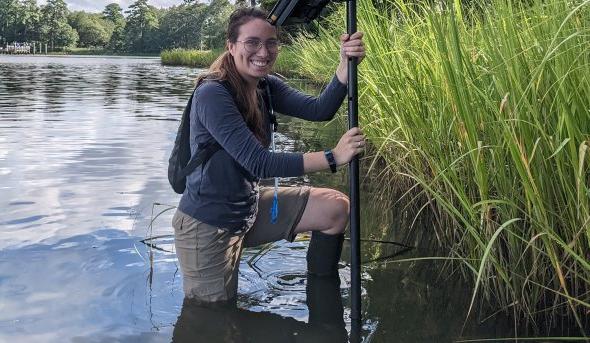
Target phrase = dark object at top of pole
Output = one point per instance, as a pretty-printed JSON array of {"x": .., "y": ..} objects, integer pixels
[{"x": 292, "y": 12}]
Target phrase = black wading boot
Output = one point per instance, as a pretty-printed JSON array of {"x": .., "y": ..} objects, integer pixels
[
  {"x": 326, "y": 313},
  {"x": 323, "y": 253}
]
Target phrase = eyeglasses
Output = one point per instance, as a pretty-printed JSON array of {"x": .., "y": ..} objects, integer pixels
[{"x": 253, "y": 45}]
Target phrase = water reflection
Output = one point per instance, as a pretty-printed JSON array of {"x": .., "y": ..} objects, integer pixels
[
  {"x": 54, "y": 80},
  {"x": 111, "y": 86},
  {"x": 72, "y": 146},
  {"x": 198, "y": 322},
  {"x": 92, "y": 286}
]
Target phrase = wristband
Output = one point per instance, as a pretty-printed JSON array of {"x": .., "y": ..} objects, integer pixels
[{"x": 331, "y": 161}]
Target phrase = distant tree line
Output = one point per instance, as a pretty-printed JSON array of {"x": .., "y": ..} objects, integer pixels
[{"x": 141, "y": 28}]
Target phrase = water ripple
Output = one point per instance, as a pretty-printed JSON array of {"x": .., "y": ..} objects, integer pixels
[{"x": 23, "y": 220}]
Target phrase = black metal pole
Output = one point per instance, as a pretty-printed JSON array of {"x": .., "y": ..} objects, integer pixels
[{"x": 355, "y": 252}]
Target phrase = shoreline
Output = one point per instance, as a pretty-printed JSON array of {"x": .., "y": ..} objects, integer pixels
[
  {"x": 81, "y": 55},
  {"x": 287, "y": 64}
]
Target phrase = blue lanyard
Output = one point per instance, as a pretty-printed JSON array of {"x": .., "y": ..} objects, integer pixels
[{"x": 274, "y": 209}]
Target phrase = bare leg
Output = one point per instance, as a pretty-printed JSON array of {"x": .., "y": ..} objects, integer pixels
[
  {"x": 326, "y": 215},
  {"x": 326, "y": 211}
]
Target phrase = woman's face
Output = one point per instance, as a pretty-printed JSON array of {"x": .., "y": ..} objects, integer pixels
[{"x": 254, "y": 60}]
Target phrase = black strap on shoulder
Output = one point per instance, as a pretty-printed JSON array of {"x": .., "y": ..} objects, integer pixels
[
  {"x": 273, "y": 118},
  {"x": 204, "y": 151},
  {"x": 203, "y": 154}
]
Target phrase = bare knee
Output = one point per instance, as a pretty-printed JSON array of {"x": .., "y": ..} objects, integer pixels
[
  {"x": 326, "y": 210},
  {"x": 337, "y": 212}
]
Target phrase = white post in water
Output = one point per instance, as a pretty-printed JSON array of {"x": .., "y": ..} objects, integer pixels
[
  {"x": 33, "y": 48},
  {"x": 45, "y": 48}
]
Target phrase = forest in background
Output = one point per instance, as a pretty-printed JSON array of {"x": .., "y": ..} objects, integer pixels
[{"x": 142, "y": 28}]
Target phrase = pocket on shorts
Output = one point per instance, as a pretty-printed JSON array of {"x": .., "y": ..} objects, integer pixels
[
  {"x": 185, "y": 233},
  {"x": 177, "y": 220}
]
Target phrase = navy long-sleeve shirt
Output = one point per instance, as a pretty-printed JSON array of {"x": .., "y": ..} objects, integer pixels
[{"x": 223, "y": 192}]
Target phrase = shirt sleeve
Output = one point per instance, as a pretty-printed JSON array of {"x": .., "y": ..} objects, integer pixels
[
  {"x": 217, "y": 111},
  {"x": 291, "y": 102}
]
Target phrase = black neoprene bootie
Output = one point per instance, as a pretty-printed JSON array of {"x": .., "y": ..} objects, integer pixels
[
  {"x": 323, "y": 253},
  {"x": 324, "y": 300},
  {"x": 326, "y": 313}
]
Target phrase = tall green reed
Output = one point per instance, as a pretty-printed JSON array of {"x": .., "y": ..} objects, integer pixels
[{"x": 486, "y": 111}]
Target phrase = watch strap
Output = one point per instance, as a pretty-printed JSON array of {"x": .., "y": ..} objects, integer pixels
[{"x": 331, "y": 160}]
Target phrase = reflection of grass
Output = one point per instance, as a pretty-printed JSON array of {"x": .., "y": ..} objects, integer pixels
[
  {"x": 148, "y": 240},
  {"x": 488, "y": 121}
]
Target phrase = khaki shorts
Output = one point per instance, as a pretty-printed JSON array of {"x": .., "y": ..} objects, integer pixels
[{"x": 209, "y": 256}]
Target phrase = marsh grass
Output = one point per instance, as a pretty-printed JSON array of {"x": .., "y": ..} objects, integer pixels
[
  {"x": 189, "y": 57},
  {"x": 287, "y": 63},
  {"x": 483, "y": 116}
]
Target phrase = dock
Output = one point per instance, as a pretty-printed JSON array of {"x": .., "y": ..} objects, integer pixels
[{"x": 22, "y": 48}]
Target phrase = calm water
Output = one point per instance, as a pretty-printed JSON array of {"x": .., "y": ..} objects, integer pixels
[{"x": 84, "y": 143}]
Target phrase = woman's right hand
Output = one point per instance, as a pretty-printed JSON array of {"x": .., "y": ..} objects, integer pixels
[{"x": 351, "y": 144}]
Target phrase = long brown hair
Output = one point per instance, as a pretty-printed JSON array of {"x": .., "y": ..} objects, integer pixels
[{"x": 224, "y": 68}]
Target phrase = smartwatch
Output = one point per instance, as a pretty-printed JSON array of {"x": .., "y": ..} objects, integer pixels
[{"x": 331, "y": 161}]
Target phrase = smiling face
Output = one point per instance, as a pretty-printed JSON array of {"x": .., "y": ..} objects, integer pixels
[{"x": 257, "y": 64}]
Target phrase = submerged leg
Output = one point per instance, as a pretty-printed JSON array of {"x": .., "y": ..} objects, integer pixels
[{"x": 324, "y": 300}]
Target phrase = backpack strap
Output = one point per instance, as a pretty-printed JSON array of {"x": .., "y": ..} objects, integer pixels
[
  {"x": 203, "y": 155},
  {"x": 271, "y": 114},
  {"x": 204, "y": 151}
]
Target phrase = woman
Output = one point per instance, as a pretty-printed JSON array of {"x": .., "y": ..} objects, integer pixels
[{"x": 222, "y": 209}]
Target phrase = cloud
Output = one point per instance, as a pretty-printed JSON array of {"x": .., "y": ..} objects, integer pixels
[{"x": 98, "y": 6}]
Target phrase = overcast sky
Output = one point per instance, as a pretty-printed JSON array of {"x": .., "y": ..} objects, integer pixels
[{"x": 99, "y": 5}]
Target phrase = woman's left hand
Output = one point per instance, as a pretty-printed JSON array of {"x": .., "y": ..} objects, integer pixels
[{"x": 350, "y": 46}]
